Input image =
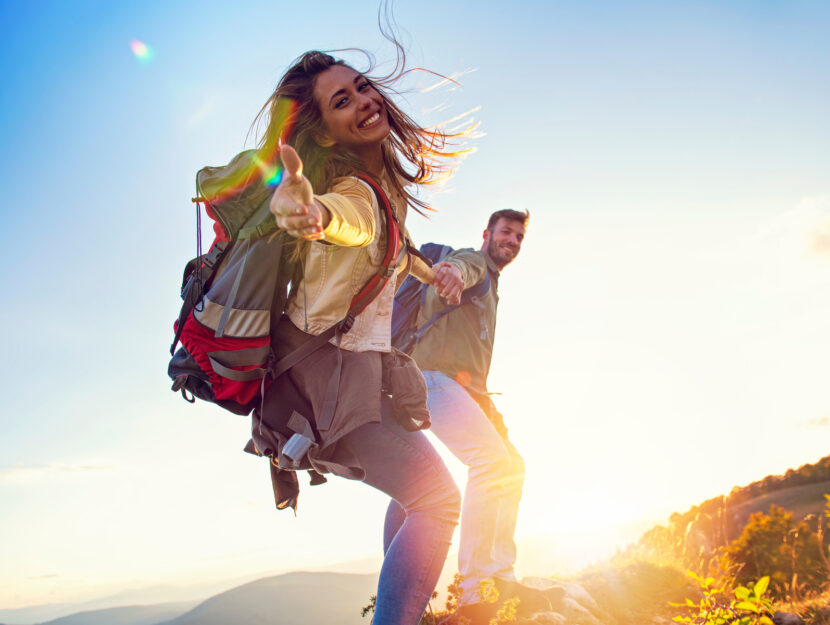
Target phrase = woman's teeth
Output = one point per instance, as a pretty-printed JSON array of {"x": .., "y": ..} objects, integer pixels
[{"x": 370, "y": 121}]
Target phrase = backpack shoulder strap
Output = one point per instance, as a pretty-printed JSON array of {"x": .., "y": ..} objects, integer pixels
[{"x": 387, "y": 266}]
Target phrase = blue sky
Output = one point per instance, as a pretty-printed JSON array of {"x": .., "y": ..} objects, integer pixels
[{"x": 662, "y": 337}]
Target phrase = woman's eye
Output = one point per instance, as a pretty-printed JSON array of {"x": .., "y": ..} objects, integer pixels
[
  {"x": 364, "y": 86},
  {"x": 340, "y": 102}
]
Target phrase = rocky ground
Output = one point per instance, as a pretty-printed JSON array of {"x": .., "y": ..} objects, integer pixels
[{"x": 638, "y": 595}]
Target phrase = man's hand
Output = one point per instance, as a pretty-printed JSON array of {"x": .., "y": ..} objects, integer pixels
[
  {"x": 448, "y": 283},
  {"x": 293, "y": 201}
]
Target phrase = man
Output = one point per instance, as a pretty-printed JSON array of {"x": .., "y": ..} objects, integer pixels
[{"x": 454, "y": 355}]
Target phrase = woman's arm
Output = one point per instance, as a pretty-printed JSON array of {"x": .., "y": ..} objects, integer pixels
[
  {"x": 350, "y": 205},
  {"x": 343, "y": 216}
]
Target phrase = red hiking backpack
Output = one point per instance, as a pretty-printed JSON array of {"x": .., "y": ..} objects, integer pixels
[{"x": 236, "y": 292}]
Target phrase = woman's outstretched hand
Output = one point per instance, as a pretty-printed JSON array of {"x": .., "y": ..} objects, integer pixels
[
  {"x": 448, "y": 282},
  {"x": 293, "y": 201}
]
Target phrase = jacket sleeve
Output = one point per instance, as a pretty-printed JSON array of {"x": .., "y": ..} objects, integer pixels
[
  {"x": 421, "y": 271},
  {"x": 352, "y": 215},
  {"x": 472, "y": 265}
]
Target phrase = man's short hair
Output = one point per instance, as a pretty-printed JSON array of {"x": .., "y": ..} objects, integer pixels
[{"x": 509, "y": 213}]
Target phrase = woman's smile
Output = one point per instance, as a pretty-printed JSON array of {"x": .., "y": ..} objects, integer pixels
[{"x": 370, "y": 121}]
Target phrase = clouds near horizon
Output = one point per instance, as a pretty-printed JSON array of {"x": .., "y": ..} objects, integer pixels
[{"x": 20, "y": 473}]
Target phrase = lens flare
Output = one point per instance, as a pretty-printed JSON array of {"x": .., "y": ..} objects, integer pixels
[
  {"x": 464, "y": 378},
  {"x": 142, "y": 51},
  {"x": 267, "y": 165}
]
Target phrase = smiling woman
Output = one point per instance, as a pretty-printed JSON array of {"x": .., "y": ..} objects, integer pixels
[{"x": 348, "y": 154}]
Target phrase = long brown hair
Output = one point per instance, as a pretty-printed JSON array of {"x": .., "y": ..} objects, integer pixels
[{"x": 411, "y": 152}]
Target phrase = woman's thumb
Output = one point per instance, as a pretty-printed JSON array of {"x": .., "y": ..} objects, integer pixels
[{"x": 291, "y": 161}]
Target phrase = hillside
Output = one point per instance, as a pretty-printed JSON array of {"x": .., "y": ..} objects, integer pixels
[
  {"x": 128, "y": 615},
  {"x": 318, "y": 598},
  {"x": 691, "y": 538}
]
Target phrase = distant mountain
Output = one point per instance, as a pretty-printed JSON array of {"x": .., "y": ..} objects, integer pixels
[
  {"x": 36, "y": 613},
  {"x": 141, "y": 596},
  {"x": 294, "y": 598},
  {"x": 129, "y": 615}
]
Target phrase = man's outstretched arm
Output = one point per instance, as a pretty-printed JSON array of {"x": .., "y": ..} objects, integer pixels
[{"x": 457, "y": 273}]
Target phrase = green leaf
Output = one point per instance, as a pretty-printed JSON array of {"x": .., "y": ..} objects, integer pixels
[
  {"x": 761, "y": 586},
  {"x": 741, "y": 592},
  {"x": 746, "y": 605},
  {"x": 765, "y": 620}
]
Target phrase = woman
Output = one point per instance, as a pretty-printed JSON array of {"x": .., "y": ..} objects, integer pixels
[{"x": 341, "y": 125}]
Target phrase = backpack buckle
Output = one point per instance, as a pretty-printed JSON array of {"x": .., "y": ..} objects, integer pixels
[
  {"x": 347, "y": 323},
  {"x": 211, "y": 258}
]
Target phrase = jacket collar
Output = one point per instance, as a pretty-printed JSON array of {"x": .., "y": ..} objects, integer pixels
[{"x": 490, "y": 262}]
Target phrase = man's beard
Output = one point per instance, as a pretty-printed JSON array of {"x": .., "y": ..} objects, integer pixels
[{"x": 498, "y": 255}]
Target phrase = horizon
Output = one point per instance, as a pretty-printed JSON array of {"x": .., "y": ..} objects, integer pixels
[{"x": 662, "y": 337}]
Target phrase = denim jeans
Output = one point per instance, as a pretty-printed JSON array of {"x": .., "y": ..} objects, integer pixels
[
  {"x": 494, "y": 486},
  {"x": 405, "y": 466}
]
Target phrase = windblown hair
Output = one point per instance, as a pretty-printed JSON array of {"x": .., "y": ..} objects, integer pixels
[
  {"x": 411, "y": 153},
  {"x": 508, "y": 213}
]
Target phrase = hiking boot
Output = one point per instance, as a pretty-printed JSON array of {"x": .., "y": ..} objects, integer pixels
[{"x": 531, "y": 600}]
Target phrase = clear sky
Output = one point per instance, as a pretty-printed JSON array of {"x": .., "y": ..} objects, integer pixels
[{"x": 662, "y": 337}]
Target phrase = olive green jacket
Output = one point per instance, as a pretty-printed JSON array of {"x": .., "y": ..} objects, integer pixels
[{"x": 460, "y": 344}]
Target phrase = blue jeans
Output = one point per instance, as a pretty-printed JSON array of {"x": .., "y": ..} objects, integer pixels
[
  {"x": 405, "y": 466},
  {"x": 494, "y": 486}
]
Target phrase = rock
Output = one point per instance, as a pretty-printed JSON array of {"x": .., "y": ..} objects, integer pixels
[
  {"x": 581, "y": 596},
  {"x": 571, "y": 603},
  {"x": 786, "y": 618},
  {"x": 554, "y": 591},
  {"x": 547, "y": 618},
  {"x": 576, "y": 613},
  {"x": 542, "y": 583}
]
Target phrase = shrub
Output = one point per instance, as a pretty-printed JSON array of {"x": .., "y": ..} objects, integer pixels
[
  {"x": 716, "y": 607},
  {"x": 774, "y": 544}
]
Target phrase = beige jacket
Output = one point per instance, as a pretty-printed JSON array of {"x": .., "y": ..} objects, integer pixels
[{"x": 339, "y": 265}]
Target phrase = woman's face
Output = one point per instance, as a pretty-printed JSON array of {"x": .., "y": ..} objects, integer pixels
[{"x": 354, "y": 115}]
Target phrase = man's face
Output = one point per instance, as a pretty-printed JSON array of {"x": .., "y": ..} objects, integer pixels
[{"x": 504, "y": 241}]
